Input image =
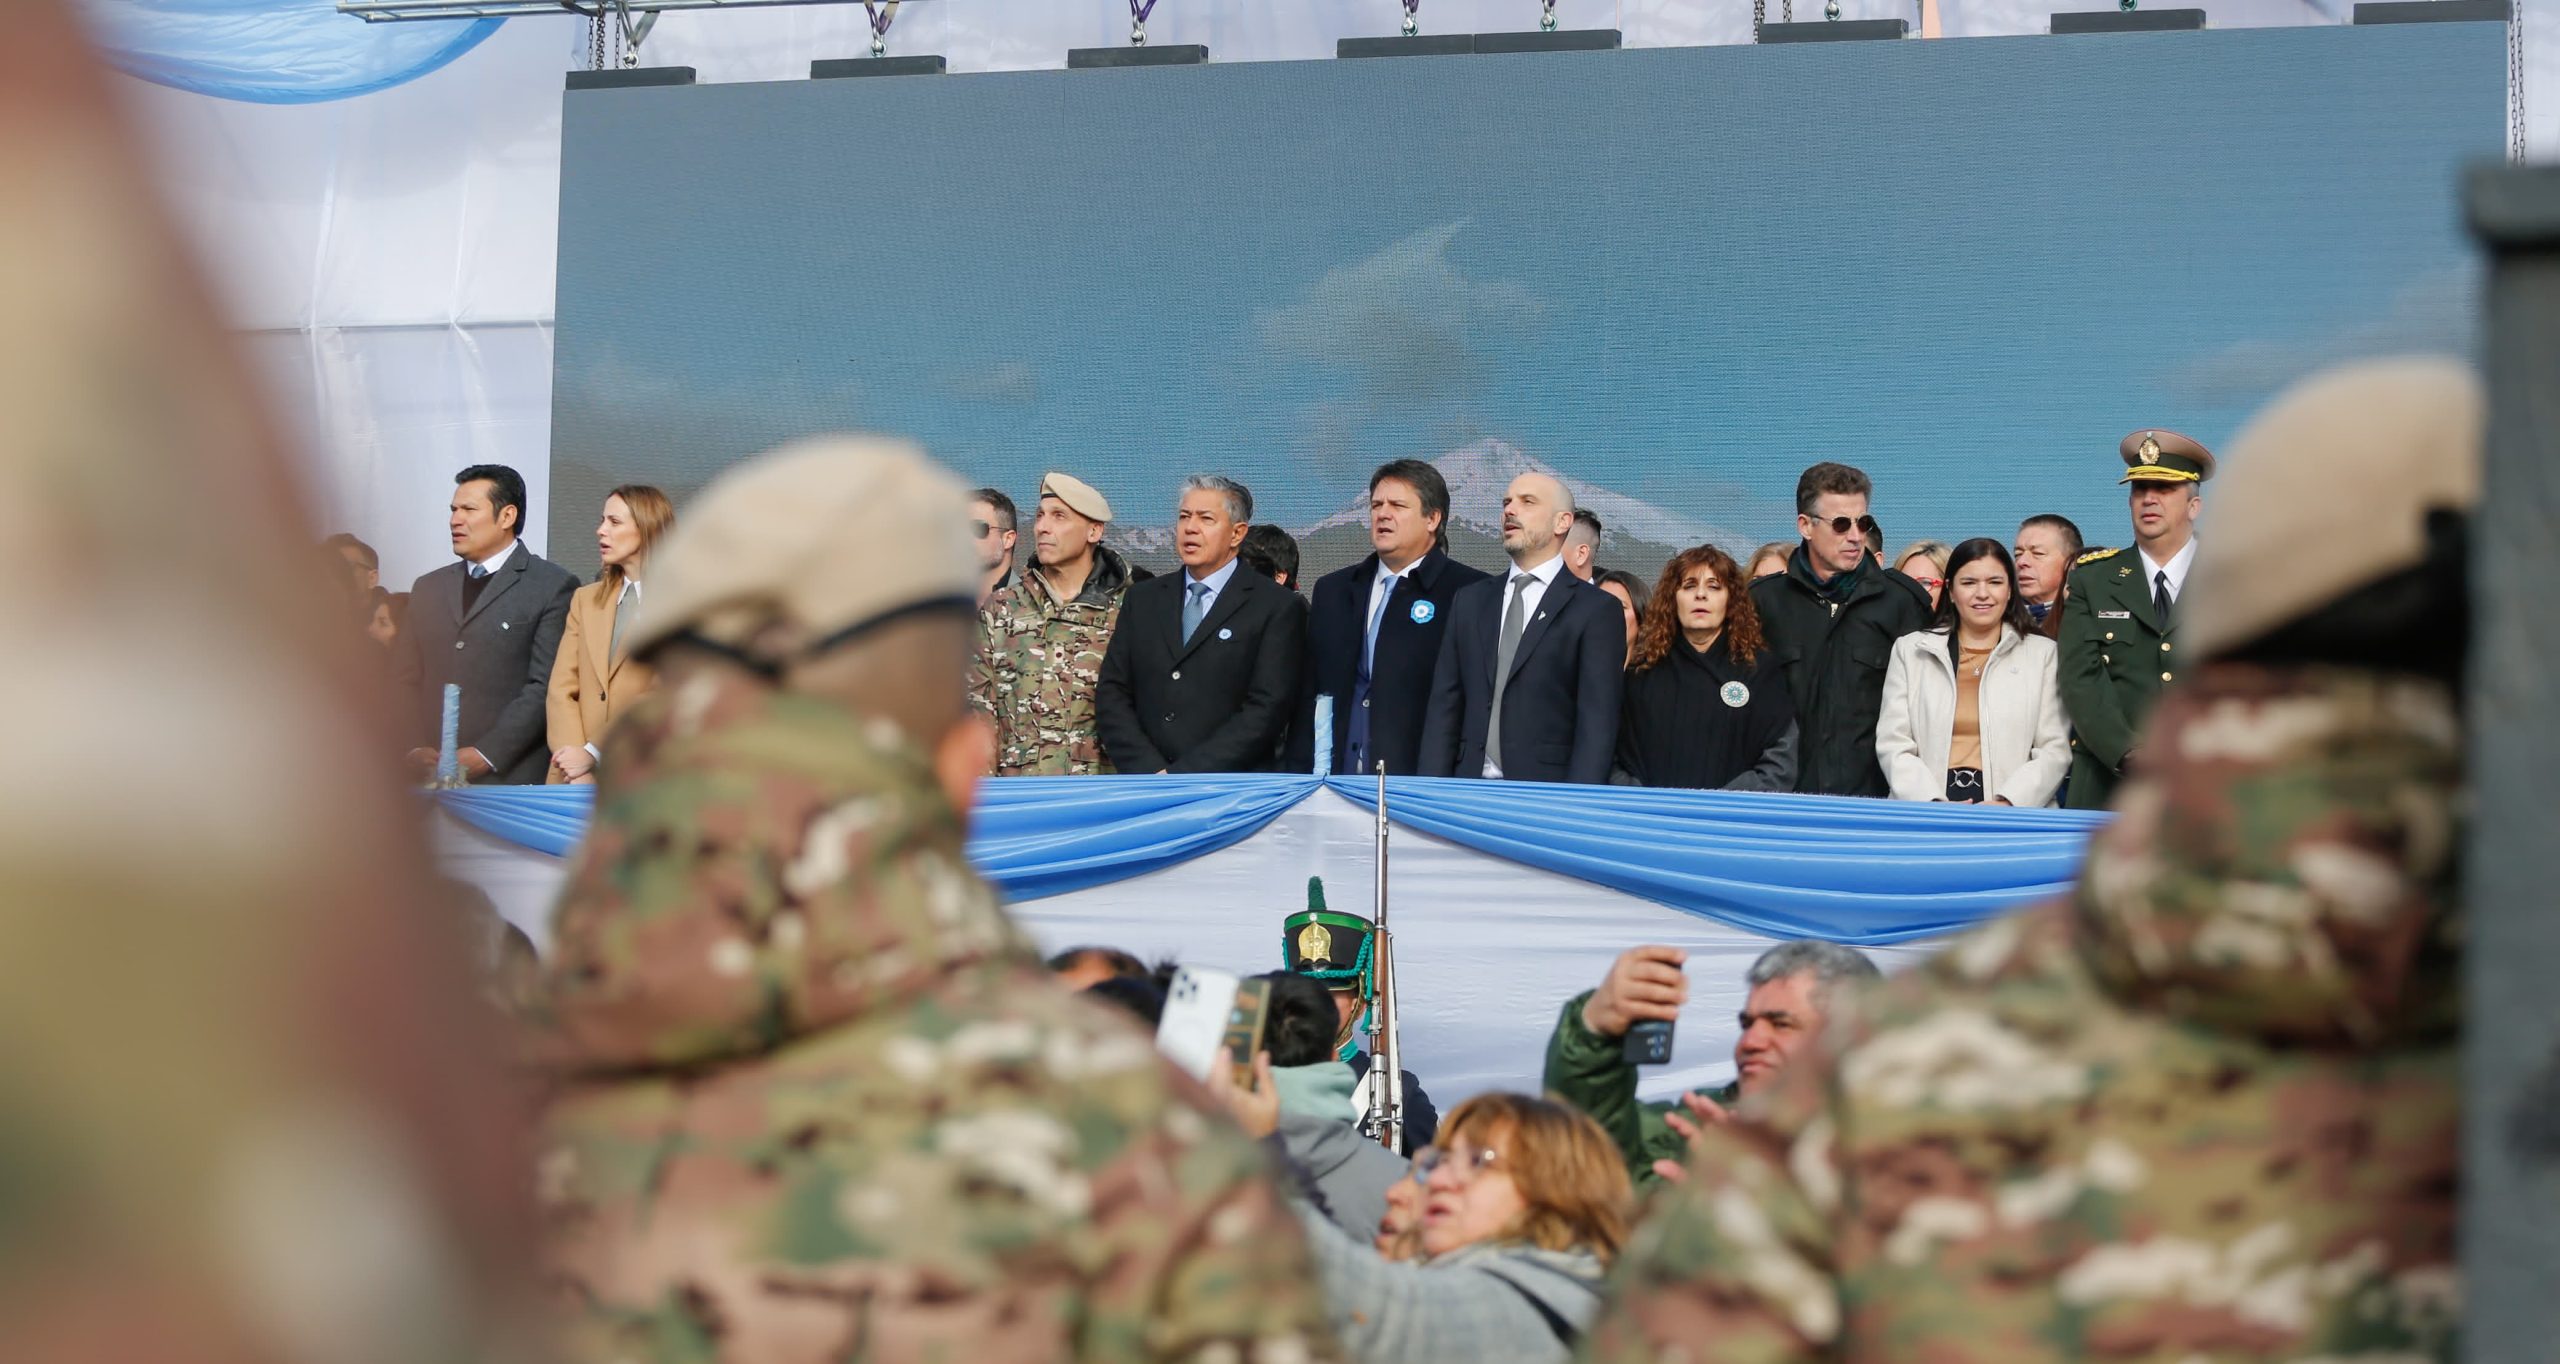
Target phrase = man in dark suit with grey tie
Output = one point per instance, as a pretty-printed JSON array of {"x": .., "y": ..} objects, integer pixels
[
  {"x": 1373, "y": 633},
  {"x": 1202, "y": 670},
  {"x": 1527, "y": 683},
  {"x": 490, "y": 622}
]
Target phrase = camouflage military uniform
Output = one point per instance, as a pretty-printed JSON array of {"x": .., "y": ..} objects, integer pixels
[
  {"x": 2206, "y": 1112},
  {"x": 1038, "y": 660},
  {"x": 816, "y": 1103}
]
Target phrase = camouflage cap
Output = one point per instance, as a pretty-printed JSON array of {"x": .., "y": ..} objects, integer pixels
[
  {"x": 1079, "y": 495},
  {"x": 2333, "y": 482},
  {"x": 817, "y": 538}
]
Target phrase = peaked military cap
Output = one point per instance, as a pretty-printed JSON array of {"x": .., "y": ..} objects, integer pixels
[
  {"x": 1327, "y": 944},
  {"x": 2156, "y": 456}
]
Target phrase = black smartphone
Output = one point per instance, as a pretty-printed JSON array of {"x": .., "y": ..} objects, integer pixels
[{"x": 1649, "y": 1043}]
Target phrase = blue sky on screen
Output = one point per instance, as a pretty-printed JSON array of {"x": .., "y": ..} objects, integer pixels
[{"x": 1676, "y": 276}]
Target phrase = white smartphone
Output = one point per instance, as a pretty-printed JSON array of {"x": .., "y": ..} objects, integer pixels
[{"x": 1194, "y": 1027}]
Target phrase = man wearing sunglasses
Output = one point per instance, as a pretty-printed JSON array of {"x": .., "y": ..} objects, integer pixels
[
  {"x": 993, "y": 523},
  {"x": 1832, "y": 618}
]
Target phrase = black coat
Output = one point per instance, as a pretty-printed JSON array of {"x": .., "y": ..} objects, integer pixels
[
  {"x": 1835, "y": 659},
  {"x": 500, "y": 652},
  {"x": 1217, "y": 704},
  {"x": 1399, "y": 685},
  {"x": 1706, "y": 722},
  {"x": 1560, "y": 709}
]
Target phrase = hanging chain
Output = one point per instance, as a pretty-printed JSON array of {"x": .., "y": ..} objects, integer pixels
[
  {"x": 595, "y": 40},
  {"x": 1759, "y": 12},
  {"x": 2515, "y": 81},
  {"x": 1786, "y": 11}
]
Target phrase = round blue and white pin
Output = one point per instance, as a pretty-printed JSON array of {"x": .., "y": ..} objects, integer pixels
[
  {"x": 1735, "y": 695},
  {"x": 1422, "y": 612}
]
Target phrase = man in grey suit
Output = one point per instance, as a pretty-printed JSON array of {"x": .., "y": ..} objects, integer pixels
[{"x": 491, "y": 622}]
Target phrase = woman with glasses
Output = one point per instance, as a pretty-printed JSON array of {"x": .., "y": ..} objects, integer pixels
[
  {"x": 1925, "y": 563},
  {"x": 1972, "y": 707},
  {"x": 1524, "y": 1202}
]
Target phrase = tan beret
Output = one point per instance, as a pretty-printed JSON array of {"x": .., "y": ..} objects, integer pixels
[
  {"x": 2152, "y": 455},
  {"x": 1079, "y": 495},
  {"x": 2329, "y": 490},
  {"x": 816, "y": 537}
]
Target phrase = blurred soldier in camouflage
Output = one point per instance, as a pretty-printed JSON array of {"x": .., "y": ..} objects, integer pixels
[
  {"x": 246, "y": 1110},
  {"x": 1040, "y": 639},
  {"x": 2206, "y": 1110},
  {"x": 816, "y": 1098}
]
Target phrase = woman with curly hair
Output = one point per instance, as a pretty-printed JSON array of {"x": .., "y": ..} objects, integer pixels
[{"x": 1706, "y": 704}]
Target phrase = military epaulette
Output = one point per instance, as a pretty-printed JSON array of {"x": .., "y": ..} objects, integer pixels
[{"x": 2095, "y": 555}]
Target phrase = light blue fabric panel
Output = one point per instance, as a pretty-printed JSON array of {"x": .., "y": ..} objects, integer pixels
[
  {"x": 1868, "y": 872},
  {"x": 1036, "y": 836},
  {"x": 547, "y": 819},
  {"x": 1032, "y": 836},
  {"x": 272, "y": 51}
]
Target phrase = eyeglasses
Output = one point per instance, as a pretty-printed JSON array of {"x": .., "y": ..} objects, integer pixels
[
  {"x": 1867, "y": 524},
  {"x": 1933, "y": 584},
  {"x": 1467, "y": 1165},
  {"x": 979, "y": 530}
]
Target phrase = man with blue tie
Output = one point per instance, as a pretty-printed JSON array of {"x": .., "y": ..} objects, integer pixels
[
  {"x": 1202, "y": 671},
  {"x": 1374, "y": 631},
  {"x": 1527, "y": 683},
  {"x": 489, "y": 622}
]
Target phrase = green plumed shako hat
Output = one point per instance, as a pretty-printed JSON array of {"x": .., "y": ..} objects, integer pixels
[{"x": 1327, "y": 944}]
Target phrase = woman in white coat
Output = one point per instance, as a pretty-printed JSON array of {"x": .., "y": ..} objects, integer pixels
[{"x": 1972, "y": 709}]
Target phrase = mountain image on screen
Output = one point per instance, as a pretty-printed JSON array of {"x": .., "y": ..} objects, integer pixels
[{"x": 1639, "y": 536}]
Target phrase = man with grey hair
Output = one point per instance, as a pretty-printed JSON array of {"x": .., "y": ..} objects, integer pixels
[
  {"x": 1201, "y": 674},
  {"x": 1793, "y": 989},
  {"x": 1526, "y": 685}
]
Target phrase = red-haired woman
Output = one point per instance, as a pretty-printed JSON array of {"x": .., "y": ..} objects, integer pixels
[{"x": 1706, "y": 705}]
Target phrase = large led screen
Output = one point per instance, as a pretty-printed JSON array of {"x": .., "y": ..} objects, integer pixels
[{"x": 1675, "y": 277}]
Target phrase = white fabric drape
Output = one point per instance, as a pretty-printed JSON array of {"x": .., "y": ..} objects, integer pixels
[{"x": 1487, "y": 950}]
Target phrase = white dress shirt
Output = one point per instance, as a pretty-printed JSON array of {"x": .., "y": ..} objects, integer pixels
[
  {"x": 1215, "y": 582},
  {"x": 498, "y": 560},
  {"x": 1541, "y": 578},
  {"x": 2176, "y": 568}
]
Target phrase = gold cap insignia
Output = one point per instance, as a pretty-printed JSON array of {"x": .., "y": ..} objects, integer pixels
[
  {"x": 1315, "y": 943},
  {"x": 2149, "y": 451}
]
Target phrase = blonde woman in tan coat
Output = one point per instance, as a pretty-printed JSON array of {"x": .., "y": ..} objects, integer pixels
[{"x": 591, "y": 681}]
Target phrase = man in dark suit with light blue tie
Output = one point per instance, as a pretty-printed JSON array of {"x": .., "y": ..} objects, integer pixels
[
  {"x": 1373, "y": 635},
  {"x": 491, "y": 622},
  {"x": 1202, "y": 670},
  {"x": 1529, "y": 673}
]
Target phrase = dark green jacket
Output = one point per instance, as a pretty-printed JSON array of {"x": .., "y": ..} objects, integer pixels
[
  {"x": 2116, "y": 659},
  {"x": 1591, "y": 1073},
  {"x": 1835, "y": 661}
]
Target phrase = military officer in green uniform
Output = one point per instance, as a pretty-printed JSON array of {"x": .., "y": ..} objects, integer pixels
[
  {"x": 2120, "y": 615},
  {"x": 1337, "y": 948}
]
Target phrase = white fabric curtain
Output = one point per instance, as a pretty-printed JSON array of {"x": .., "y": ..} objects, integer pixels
[
  {"x": 1487, "y": 950},
  {"x": 393, "y": 253}
]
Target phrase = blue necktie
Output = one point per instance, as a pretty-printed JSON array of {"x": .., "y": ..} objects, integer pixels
[
  {"x": 479, "y": 570},
  {"x": 1369, "y": 648},
  {"x": 1193, "y": 609}
]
